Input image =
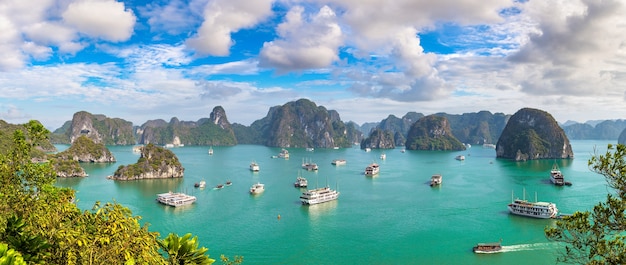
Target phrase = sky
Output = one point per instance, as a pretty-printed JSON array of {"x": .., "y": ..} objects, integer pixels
[{"x": 143, "y": 60}]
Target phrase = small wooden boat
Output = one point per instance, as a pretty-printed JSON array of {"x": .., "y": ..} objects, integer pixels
[
  {"x": 484, "y": 248},
  {"x": 228, "y": 183},
  {"x": 219, "y": 186}
]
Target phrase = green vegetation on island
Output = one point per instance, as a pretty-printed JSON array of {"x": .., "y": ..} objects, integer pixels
[
  {"x": 154, "y": 162},
  {"x": 40, "y": 224},
  {"x": 432, "y": 133}
]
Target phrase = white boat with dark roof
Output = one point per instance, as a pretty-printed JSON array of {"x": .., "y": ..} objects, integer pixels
[
  {"x": 435, "y": 180},
  {"x": 535, "y": 209},
  {"x": 372, "y": 169},
  {"x": 309, "y": 165},
  {"x": 485, "y": 248},
  {"x": 339, "y": 162},
  {"x": 175, "y": 199},
  {"x": 257, "y": 188}
]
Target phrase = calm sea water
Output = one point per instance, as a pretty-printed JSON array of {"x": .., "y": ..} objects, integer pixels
[{"x": 394, "y": 218}]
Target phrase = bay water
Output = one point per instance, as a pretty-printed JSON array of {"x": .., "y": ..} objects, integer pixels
[{"x": 393, "y": 218}]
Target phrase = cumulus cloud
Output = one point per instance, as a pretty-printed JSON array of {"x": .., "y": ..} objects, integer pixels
[
  {"x": 578, "y": 48},
  {"x": 173, "y": 18},
  {"x": 304, "y": 43},
  {"x": 223, "y": 17},
  {"x": 105, "y": 19}
]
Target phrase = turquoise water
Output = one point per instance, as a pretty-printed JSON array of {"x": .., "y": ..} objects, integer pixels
[{"x": 394, "y": 218}]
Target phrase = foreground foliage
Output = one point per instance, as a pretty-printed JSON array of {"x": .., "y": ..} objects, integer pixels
[
  {"x": 598, "y": 237},
  {"x": 40, "y": 224}
]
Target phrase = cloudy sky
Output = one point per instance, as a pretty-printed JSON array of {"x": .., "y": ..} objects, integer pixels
[{"x": 142, "y": 60}]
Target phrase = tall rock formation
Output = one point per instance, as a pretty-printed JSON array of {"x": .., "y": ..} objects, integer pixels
[
  {"x": 85, "y": 150},
  {"x": 533, "y": 134},
  {"x": 301, "y": 124},
  {"x": 399, "y": 127},
  {"x": 155, "y": 162},
  {"x": 99, "y": 128},
  {"x": 432, "y": 133},
  {"x": 481, "y": 127},
  {"x": 379, "y": 139},
  {"x": 215, "y": 130}
]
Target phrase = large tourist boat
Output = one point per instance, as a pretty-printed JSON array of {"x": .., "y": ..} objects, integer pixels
[
  {"x": 257, "y": 188},
  {"x": 175, "y": 199},
  {"x": 483, "y": 248},
  {"x": 533, "y": 209},
  {"x": 319, "y": 195},
  {"x": 372, "y": 169},
  {"x": 435, "y": 180},
  {"x": 556, "y": 177},
  {"x": 254, "y": 166}
]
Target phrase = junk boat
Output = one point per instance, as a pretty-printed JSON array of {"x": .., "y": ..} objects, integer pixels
[
  {"x": 309, "y": 166},
  {"x": 483, "y": 248},
  {"x": 533, "y": 209},
  {"x": 284, "y": 154},
  {"x": 300, "y": 182},
  {"x": 372, "y": 169},
  {"x": 556, "y": 177},
  {"x": 175, "y": 199},
  {"x": 319, "y": 195},
  {"x": 435, "y": 180},
  {"x": 257, "y": 188}
]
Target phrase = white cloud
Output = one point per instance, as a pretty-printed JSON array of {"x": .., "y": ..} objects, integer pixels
[
  {"x": 304, "y": 43},
  {"x": 105, "y": 19},
  {"x": 173, "y": 18},
  {"x": 223, "y": 17}
]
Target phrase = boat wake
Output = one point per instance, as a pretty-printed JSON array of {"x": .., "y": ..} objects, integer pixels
[{"x": 525, "y": 247}]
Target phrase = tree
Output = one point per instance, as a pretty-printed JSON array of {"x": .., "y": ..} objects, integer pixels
[
  {"x": 597, "y": 237},
  {"x": 184, "y": 250}
]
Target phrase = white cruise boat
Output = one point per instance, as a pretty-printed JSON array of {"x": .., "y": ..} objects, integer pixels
[
  {"x": 175, "y": 199},
  {"x": 254, "y": 166},
  {"x": 556, "y": 177},
  {"x": 372, "y": 169},
  {"x": 319, "y": 195},
  {"x": 301, "y": 182},
  {"x": 533, "y": 209},
  {"x": 339, "y": 162},
  {"x": 257, "y": 188},
  {"x": 210, "y": 151},
  {"x": 460, "y": 157},
  {"x": 383, "y": 156}
]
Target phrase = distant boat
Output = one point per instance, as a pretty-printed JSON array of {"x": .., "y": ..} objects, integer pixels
[
  {"x": 228, "y": 183},
  {"x": 284, "y": 154},
  {"x": 484, "y": 248},
  {"x": 372, "y": 169},
  {"x": 211, "y": 151},
  {"x": 254, "y": 166},
  {"x": 308, "y": 165},
  {"x": 556, "y": 177},
  {"x": 219, "y": 186},
  {"x": 336, "y": 147},
  {"x": 490, "y": 146},
  {"x": 532, "y": 209},
  {"x": 383, "y": 156},
  {"x": 403, "y": 150},
  {"x": 435, "y": 180},
  {"x": 257, "y": 188},
  {"x": 200, "y": 184},
  {"x": 460, "y": 157},
  {"x": 175, "y": 199},
  {"x": 310, "y": 149},
  {"x": 367, "y": 149},
  {"x": 339, "y": 162},
  {"x": 300, "y": 182},
  {"x": 319, "y": 195}
]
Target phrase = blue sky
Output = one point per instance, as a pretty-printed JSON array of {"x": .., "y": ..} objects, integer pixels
[{"x": 142, "y": 60}]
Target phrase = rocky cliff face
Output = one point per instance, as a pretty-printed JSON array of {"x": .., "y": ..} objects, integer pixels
[
  {"x": 154, "y": 163},
  {"x": 399, "y": 127},
  {"x": 99, "y": 128},
  {"x": 533, "y": 134},
  {"x": 379, "y": 139},
  {"x": 481, "y": 127},
  {"x": 215, "y": 130},
  {"x": 432, "y": 133},
  {"x": 299, "y": 124}
]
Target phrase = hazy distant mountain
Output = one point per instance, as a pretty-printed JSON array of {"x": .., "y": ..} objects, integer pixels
[{"x": 599, "y": 129}]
